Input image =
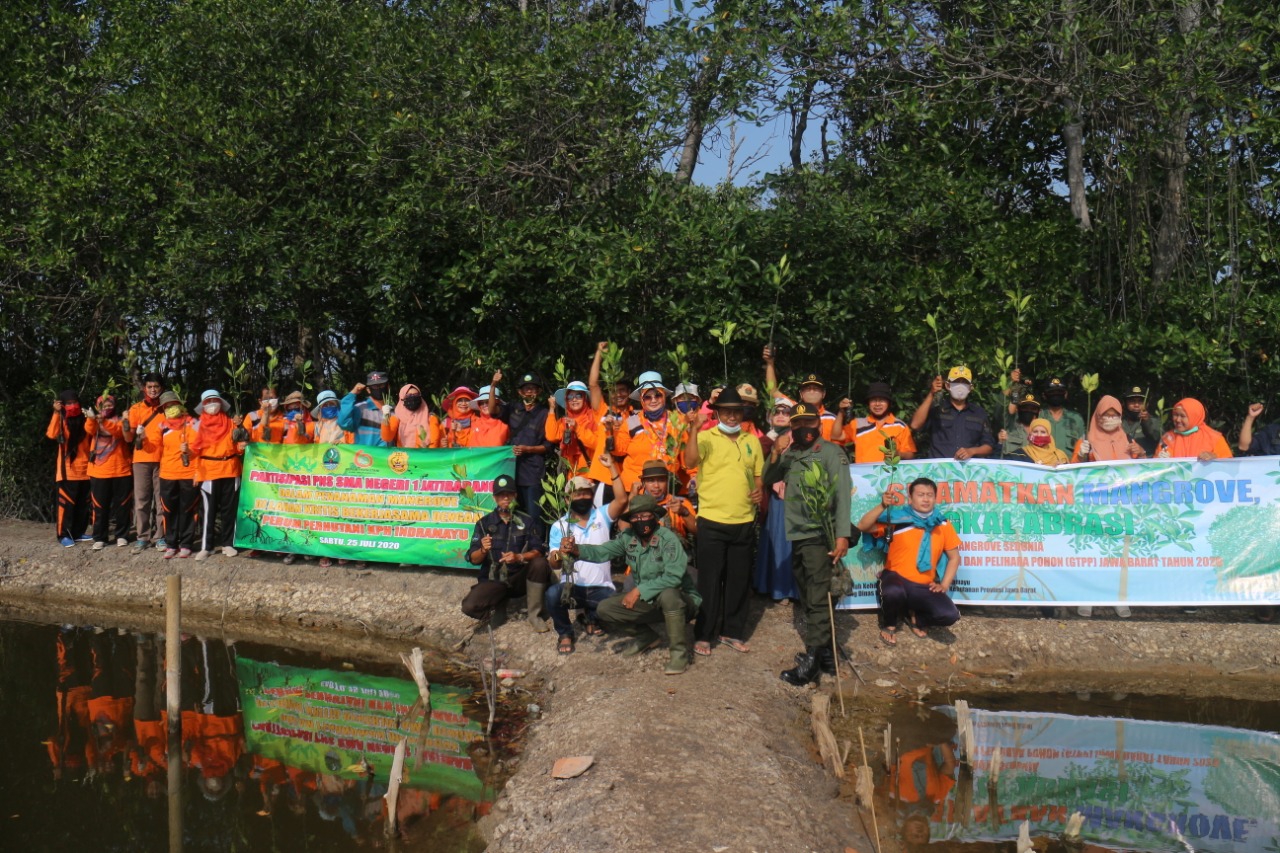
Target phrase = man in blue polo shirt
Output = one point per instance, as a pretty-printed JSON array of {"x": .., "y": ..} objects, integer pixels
[{"x": 958, "y": 429}]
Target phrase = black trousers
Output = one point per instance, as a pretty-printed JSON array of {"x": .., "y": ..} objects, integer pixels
[
  {"x": 112, "y": 506},
  {"x": 724, "y": 579},
  {"x": 488, "y": 594},
  {"x": 73, "y": 508},
  {"x": 178, "y": 513},
  {"x": 218, "y": 500}
]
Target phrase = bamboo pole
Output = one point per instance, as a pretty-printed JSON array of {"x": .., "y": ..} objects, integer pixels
[
  {"x": 173, "y": 704},
  {"x": 835, "y": 652},
  {"x": 866, "y": 788}
]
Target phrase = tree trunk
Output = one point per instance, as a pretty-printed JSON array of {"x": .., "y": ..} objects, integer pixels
[
  {"x": 1073, "y": 137},
  {"x": 699, "y": 106},
  {"x": 799, "y": 123}
]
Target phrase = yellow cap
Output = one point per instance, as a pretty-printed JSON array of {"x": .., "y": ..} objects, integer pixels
[{"x": 960, "y": 372}]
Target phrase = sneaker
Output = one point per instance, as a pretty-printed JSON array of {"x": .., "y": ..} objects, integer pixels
[
  {"x": 228, "y": 551},
  {"x": 139, "y": 545},
  {"x": 98, "y": 546},
  {"x": 121, "y": 542},
  {"x": 67, "y": 542},
  {"x": 170, "y": 553},
  {"x": 1086, "y": 611},
  {"x": 85, "y": 537},
  {"x": 184, "y": 553},
  {"x": 201, "y": 556},
  {"x": 1123, "y": 612},
  {"x": 161, "y": 545}
]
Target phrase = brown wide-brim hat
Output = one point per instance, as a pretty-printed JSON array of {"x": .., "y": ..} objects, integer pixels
[{"x": 654, "y": 468}]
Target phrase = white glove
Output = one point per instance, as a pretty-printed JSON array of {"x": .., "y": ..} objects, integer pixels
[
  {"x": 1085, "y": 447},
  {"x": 387, "y": 410},
  {"x": 90, "y": 413}
]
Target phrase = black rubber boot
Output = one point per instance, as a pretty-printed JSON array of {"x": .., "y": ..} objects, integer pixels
[
  {"x": 827, "y": 660},
  {"x": 807, "y": 669}
]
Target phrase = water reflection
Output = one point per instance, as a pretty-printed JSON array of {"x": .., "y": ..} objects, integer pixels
[
  {"x": 1137, "y": 784},
  {"x": 276, "y": 757}
]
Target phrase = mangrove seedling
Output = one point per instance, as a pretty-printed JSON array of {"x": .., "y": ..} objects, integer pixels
[{"x": 724, "y": 334}]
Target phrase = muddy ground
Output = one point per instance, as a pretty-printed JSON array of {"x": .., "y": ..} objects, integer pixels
[{"x": 720, "y": 758}]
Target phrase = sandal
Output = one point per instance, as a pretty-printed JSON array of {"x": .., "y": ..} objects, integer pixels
[
  {"x": 594, "y": 630},
  {"x": 736, "y": 645},
  {"x": 565, "y": 646},
  {"x": 889, "y": 636},
  {"x": 325, "y": 562},
  {"x": 702, "y": 647},
  {"x": 918, "y": 631}
]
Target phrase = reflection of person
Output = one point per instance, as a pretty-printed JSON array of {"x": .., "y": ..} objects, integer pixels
[
  {"x": 506, "y": 546},
  {"x": 68, "y": 743},
  {"x": 212, "y": 728},
  {"x": 909, "y": 582}
]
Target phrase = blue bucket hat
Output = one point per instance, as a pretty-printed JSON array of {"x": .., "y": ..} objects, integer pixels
[{"x": 649, "y": 379}]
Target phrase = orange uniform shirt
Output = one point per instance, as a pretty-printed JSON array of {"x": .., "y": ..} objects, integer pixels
[
  {"x": 268, "y": 429},
  {"x": 112, "y": 456},
  {"x": 78, "y": 468},
  {"x": 647, "y": 440},
  {"x": 868, "y": 435},
  {"x": 488, "y": 432},
  {"x": 140, "y": 413},
  {"x": 906, "y": 545},
  {"x": 391, "y": 433},
  {"x": 218, "y": 460},
  {"x": 171, "y": 467},
  {"x": 580, "y": 446},
  {"x": 620, "y": 440}
]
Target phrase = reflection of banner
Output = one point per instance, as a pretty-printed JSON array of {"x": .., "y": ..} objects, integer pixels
[
  {"x": 1139, "y": 784},
  {"x": 1138, "y": 532},
  {"x": 366, "y": 503},
  {"x": 331, "y": 722}
]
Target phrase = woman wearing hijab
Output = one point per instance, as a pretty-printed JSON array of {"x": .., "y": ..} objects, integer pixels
[
  {"x": 1040, "y": 448},
  {"x": 67, "y": 427},
  {"x": 178, "y": 494},
  {"x": 1106, "y": 441},
  {"x": 456, "y": 429},
  {"x": 218, "y": 461},
  {"x": 110, "y": 474},
  {"x": 412, "y": 424},
  {"x": 1191, "y": 437},
  {"x": 774, "y": 576},
  {"x": 576, "y": 434}
]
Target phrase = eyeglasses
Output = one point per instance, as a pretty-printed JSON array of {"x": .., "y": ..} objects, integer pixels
[
  {"x": 653, "y": 395},
  {"x": 642, "y": 516}
]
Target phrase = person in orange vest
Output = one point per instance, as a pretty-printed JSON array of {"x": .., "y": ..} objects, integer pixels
[
  {"x": 267, "y": 424},
  {"x": 324, "y": 425},
  {"x": 75, "y": 446},
  {"x": 178, "y": 494},
  {"x": 219, "y": 459},
  {"x": 141, "y": 425},
  {"x": 110, "y": 474},
  {"x": 297, "y": 419},
  {"x": 412, "y": 424},
  {"x": 577, "y": 433},
  {"x": 652, "y": 433},
  {"x": 459, "y": 415},
  {"x": 487, "y": 427}
]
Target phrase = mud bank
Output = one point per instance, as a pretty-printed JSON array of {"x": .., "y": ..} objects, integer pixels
[{"x": 718, "y": 758}]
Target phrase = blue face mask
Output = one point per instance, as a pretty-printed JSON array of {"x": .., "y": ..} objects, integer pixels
[
  {"x": 684, "y": 407},
  {"x": 328, "y": 411},
  {"x": 292, "y": 415}
]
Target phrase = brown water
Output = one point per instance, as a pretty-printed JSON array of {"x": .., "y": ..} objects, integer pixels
[
  {"x": 281, "y": 751},
  {"x": 1146, "y": 773}
]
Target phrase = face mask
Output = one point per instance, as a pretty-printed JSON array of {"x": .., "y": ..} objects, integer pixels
[
  {"x": 1041, "y": 440},
  {"x": 72, "y": 409},
  {"x": 730, "y": 430},
  {"x": 328, "y": 411},
  {"x": 108, "y": 411},
  {"x": 378, "y": 391},
  {"x": 804, "y": 437},
  {"x": 173, "y": 411},
  {"x": 1110, "y": 424},
  {"x": 684, "y": 407},
  {"x": 1056, "y": 399},
  {"x": 749, "y": 413},
  {"x": 412, "y": 402},
  {"x": 528, "y": 396},
  {"x": 1025, "y": 418},
  {"x": 644, "y": 529},
  {"x": 292, "y": 415},
  {"x": 271, "y": 404},
  {"x": 1191, "y": 431},
  {"x": 213, "y": 408},
  {"x": 580, "y": 506},
  {"x": 655, "y": 416},
  {"x": 960, "y": 391}
]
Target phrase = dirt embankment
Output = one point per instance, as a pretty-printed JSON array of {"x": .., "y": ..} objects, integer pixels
[{"x": 718, "y": 758}]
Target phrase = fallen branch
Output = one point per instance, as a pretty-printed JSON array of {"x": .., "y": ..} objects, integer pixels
[{"x": 828, "y": 749}]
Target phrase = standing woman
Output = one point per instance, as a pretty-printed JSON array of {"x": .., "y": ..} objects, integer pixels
[
  {"x": 218, "y": 459},
  {"x": 412, "y": 424},
  {"x": 325, "y": 428},
  {"x": 576, "y": 434},
  {"x": 67, "y": 427},
  {"x": 110, "y": 474},
  {"x": 1191, "y": 437},
  {"x": 1106, "y": 441},
  {"x": 456, "y": 431},
  {"x": 178, "y": 494}
]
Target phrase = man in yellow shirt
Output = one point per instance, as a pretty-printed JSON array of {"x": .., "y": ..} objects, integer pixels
[{"x": 730, "y": 462}]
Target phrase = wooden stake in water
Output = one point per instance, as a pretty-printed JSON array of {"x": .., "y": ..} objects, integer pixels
[
  {"x": 835, "y": 649},
  {"x": 393, "y": 785},
  {"x": 173, "y": 703},
  {"x": 866, "y": 788}
]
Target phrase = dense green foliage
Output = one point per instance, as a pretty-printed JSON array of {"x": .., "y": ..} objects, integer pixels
[{"x": 443, "y": 188}]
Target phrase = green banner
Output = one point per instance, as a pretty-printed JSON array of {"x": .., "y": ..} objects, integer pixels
[
  {"x": 335, "y": 723},
  {"x": 367, "y": 503}
]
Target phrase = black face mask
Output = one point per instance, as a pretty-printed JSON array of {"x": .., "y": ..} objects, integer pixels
[
  {"x": 580, "y": 506},
  {"x": 412, "y": 403},
  {"x": 1025, "y": 418},
  {"x": 1056, "y": 399},
  {"x": 749, "y": 413},
  {"x": 644, "y": 529},
  {"x": 804, "y": 437}
]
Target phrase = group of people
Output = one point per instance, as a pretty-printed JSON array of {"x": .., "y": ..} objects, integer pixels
[{"x": 697, "y": 499}]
